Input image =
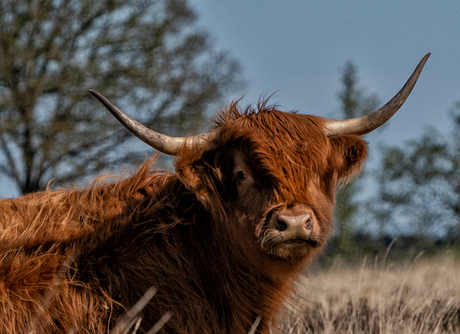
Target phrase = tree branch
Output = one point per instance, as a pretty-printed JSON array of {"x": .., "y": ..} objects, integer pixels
[{"x": 12, "y": 171}]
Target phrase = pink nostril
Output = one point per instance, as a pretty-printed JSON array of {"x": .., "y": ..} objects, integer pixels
[{"x": 309, "y": 224}]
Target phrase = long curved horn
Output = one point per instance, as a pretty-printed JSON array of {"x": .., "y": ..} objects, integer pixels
[
  {"x": 163, "y": 143},
  {"x": 372, "y": 121}
]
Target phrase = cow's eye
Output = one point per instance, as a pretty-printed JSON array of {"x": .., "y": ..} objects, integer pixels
[{"x": 241, "y": 176}]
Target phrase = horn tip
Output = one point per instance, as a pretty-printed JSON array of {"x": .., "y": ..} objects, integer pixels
[
  {"x": 97, "y": 95},
  {"x": 92, "y": 91},
  {"x": 424, "y": 59}
]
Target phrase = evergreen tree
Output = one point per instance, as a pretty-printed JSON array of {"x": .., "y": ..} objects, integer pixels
[
  {"x": 353, "y": 103},
  {"x": 419, "y": 185}
]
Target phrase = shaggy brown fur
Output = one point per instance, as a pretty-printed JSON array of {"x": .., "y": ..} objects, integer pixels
[{"x": 76, "y": 260}]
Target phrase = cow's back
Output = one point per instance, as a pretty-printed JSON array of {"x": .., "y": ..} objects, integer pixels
[{"x": 44, "y": 239}]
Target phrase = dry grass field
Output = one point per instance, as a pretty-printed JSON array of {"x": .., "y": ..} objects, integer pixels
[{"x": 417, "y": 296}]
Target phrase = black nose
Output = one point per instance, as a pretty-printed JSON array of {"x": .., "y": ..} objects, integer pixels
[{"x": 281, "y": 225}]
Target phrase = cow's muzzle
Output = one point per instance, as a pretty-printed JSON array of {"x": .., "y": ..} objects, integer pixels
[{"x": 295, "y": 224}]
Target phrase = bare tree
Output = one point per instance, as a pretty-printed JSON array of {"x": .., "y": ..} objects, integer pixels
[{"x": 147, "y": 55}]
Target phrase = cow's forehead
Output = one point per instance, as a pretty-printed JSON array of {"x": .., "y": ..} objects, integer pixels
[
  {"x": 272, "y": 121},
  {"x": 286, "y": 138},
  {"x": 292, "y": 148}
]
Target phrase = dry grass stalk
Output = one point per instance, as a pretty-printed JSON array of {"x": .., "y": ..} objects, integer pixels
[{"x": 420, "y": 297}]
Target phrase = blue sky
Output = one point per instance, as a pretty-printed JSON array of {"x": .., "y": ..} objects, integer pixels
[{"x": 296, "y": 48}]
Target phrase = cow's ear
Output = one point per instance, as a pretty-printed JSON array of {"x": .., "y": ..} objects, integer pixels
[
  {"x": 189, "y": 175},
  {"x": 348, "y": 155}
]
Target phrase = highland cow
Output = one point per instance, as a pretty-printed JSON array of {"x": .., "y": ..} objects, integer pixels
[{"x": 212, "y": 248}]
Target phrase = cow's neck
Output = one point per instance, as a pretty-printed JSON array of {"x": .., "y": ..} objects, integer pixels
[
  {"x": 248, "y": 279},
  {"x": 236, "y": 277}
]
